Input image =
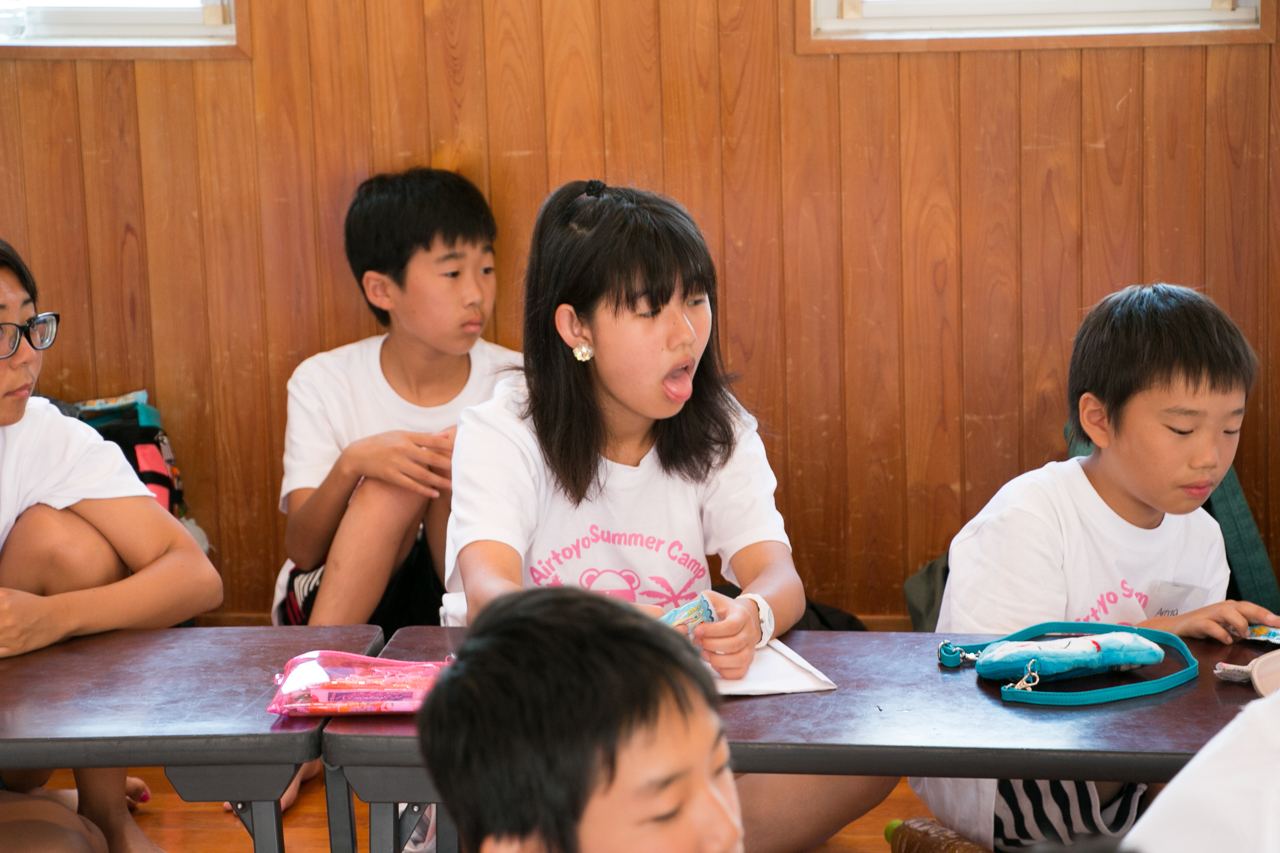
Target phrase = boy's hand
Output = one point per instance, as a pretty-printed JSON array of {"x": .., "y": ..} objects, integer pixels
[
  {"x": 27, "y": 622},
  {"x": 419, "y": 462},
  {"x": 1225, "y": 621},
  {"x": 729, "y": 643}
]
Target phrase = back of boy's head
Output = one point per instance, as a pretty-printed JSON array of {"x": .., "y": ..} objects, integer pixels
[
  {"x": 394, "y": 215},
  {"x": 527, "y": 722},
  {"x": 12, "y": 261},
  {"x": 1149, "y": 336}
]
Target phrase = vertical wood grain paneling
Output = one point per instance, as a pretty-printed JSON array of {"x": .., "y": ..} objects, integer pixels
[
  {"x": 13, "y": 194},
  {"x": 632, "y": 93},
  {"x": 1173, "y": 171},
  {"x": 989, "y": 212},
  {"x": 1271, "y": 351},
  {"x": 231, "y": 233},
  {"x": 931, "y": 321},
  {"x": 398, "y": 95},
  {"x": 812, "y": 308},
  {"x": 1111, "y": 124},
  {"x": 286, "y": 199},
  {"x": 871, "y": 222},
  {"x": 753, "y": 218},
  {"x": 517, "y": 146},
  {"x": 115, "y": 227},
  {"x": 58, "y": 252},
  {"x": 169, "y": 153},
  {"x": 456, "y": 94},
  {"x": 1235, "y": 222},
  {"x": 1050, "y": 246},
  {"x": 571, "y": 74},
  {"x": 691, "y": 118},
  {"x": 341, "y": 111}
]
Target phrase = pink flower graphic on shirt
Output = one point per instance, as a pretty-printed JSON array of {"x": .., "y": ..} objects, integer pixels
[
  {"x": 622, "y": 585},
  {"x": 670, "y": 597}
]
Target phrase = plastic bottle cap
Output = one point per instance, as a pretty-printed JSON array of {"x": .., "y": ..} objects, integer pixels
[{"x": 890, "y": 829}]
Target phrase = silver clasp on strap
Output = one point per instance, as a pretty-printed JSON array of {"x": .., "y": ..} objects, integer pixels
[{"x": 1031, "y": 679}]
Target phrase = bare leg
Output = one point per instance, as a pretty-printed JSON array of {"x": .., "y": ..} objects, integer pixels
[
  {"x": 102, "y": 801},
  {"x": 437, "y": 524},
  {"x": 52, "y": 551},
  {"x": 375, "y": 535},
  {"x": 34, "y": 825},
  {"x": 788, "y": 814}
]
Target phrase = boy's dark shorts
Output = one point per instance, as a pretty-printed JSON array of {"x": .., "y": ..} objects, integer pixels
[{"x": 412, "y": 596}]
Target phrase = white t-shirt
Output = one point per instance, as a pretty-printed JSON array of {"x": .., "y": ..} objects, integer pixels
[
  {"x": 1047, "y": 548},
  {"x": 1228, "y": 795},
  {"x": 643, "y": 538},
  {"x": 48, "y": 458},
  {"x": 341, "y": 396}
]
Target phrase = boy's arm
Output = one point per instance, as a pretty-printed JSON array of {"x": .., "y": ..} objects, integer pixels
[
  {"x": 404, "y": 459},
  {"x": 171, "y": 581},
  {"x": 1226, "y": 621}
]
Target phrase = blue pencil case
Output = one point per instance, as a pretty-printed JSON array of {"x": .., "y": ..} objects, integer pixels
[{"x": 1067, "y": 657}]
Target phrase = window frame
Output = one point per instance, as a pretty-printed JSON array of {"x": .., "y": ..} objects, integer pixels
[
  {"x": 809, "y": 43},
  {"x": 239, "y": 50}
]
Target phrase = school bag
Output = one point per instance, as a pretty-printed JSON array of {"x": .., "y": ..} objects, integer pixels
[{"x": 133, "y": 424}]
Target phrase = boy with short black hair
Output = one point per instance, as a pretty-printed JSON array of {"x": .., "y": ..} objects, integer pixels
[
  {"x": 570, "y": 722},
  {"x": 1158, "y": 382},
  {"x": 380, "y": 414}
]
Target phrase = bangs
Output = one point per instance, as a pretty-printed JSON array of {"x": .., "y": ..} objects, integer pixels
[{"x": 652, "y": 261}]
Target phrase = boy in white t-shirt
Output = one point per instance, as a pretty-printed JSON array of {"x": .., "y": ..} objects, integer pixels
[
  {"x": 369, "y": 439},
  {"x": 84, "y": 548},
  {"x": 1158, "y": 381}
]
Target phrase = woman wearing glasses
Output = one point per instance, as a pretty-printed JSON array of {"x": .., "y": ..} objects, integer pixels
[{"x": 84, "y": 548}]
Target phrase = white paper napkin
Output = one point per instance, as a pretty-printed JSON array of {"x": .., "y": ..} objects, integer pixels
[{"x": 775, "y": 669}]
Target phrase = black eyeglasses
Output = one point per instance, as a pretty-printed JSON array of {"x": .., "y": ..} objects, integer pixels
[{"x": 39, "y": 331}]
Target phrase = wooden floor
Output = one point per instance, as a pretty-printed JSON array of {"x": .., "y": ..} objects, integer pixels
[{"x": 182, "y": 827}]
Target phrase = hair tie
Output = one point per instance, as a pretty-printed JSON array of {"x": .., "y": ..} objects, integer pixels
[{"x": 595, "y": 188}]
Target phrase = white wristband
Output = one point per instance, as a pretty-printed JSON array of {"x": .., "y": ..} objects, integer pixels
[{"x": 766, "y": 618}]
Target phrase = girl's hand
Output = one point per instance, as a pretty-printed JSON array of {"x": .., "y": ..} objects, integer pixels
[
  {"x": 27, "y": 622},
  {"x": 418, "y": 462},
  {"x": 729, "y": 643},
  {"x": 1225, "y": 621}
]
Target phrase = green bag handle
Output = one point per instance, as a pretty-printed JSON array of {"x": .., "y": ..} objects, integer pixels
[{"x": 952, "y": 655}]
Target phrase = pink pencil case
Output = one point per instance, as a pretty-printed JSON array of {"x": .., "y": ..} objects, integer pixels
[{"x": 325, "y": 683}]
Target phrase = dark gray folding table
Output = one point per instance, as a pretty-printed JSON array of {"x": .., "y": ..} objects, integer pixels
[
  {"x": 193, "y": 700},
  {"x": 895, "y": 712}
]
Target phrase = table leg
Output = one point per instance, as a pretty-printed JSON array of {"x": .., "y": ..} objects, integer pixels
[
  {"x": 383, "y": 823},
  {"x": 446, "y": 831},
  {"x": 342, "y": 816},
  {"x": 268, "y": 831}
]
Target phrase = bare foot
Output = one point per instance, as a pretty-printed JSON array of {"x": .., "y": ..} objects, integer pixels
[
  {"x": 136, "y": 792},
  {"x": 127, "y": 837},
  {"x": 308, "y": 771}
]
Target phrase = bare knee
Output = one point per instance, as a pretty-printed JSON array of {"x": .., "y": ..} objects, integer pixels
[
  {"x": 35, "y": 825},
  {"x": 376, "y": 499},
  {"x": 51, "y": 551}
]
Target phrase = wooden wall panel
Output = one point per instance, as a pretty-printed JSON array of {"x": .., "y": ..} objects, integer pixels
[
  {"x": 905, "y": 243},
  {"x": 517, "y": 146},
  {"x": 1111, "y": 124},
  {"x": 169, "y": 153},
  {"x": 231, "y": 233},
  {"x": 13, "y": 194},
  {"x": 632, "y": 93},
  {"x": 750, "y": 159},
  {"x": 575, "y": 111},
  {"x": 989, "y": 211},
  {"x": 1050, "y": 246},
  {"x": 812, "y": 307},
  {"x": 58, "y": 251},
  {"x": 1235, "y": 221},
  {"x": 931, "y": 322},
  {"x": 1173, "y": 171},
  {"x": 871, "y": 222},
  {"x": 399, "y": 121},
  {"x": 340, "y": 102},
  {"x": 115, "y": 227}
]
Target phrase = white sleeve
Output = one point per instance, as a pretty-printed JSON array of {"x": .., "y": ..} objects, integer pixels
[
  {"x": 68, "y": 461},
  {"x": 1005, "y": 574},
  {"x": 496, "y": 479},
  {"x": 737, "y": 506},
  {"x": 311, "y": 445}
]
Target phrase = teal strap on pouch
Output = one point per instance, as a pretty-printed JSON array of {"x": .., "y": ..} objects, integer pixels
[{"x": 952, "y": 655}]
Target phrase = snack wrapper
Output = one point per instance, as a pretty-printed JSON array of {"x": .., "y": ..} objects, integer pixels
[
  {"x": 324, "y": 683},
  {"x": 1263, "y": 633},
  {"x": 691, "y": 615}
]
